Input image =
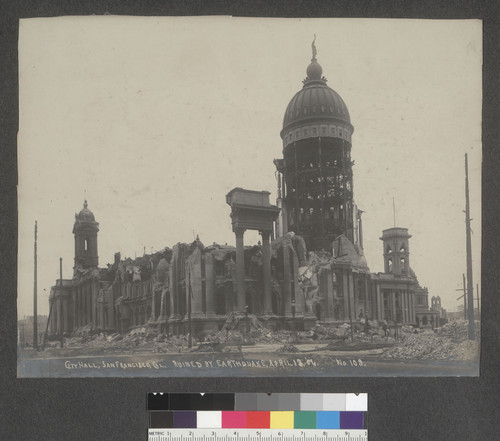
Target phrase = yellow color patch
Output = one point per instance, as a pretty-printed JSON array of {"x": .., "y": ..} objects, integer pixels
[{"x": 281, "y": 420}]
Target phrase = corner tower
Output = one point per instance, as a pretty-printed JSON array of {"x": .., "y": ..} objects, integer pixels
[
  {"x": 315, "y": 186},
  {"x": 85, "y": 230},
  {"x": 396, "y": 251}
]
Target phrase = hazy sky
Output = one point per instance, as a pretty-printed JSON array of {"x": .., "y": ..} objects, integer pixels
[{"x": 158, "y": 118}]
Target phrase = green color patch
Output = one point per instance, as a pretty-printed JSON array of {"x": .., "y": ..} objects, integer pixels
[{"x": 304, "y": 420}]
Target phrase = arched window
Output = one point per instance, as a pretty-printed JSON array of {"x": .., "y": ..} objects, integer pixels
[
  {"x": 86, "y": 244},
  {"x": 390, "y": 265},
  {"x": 402, "y": 249},
  {"x": 389, "y": 250}
]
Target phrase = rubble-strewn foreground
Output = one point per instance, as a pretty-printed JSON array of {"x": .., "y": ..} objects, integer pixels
[{"x": 247, "y": 335}]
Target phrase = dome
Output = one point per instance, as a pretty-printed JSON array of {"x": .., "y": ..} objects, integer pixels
[
  {"x": 316, "y": 110},
  {"x": 316, "y": 101},
  {"x": 85, "y": 214}
]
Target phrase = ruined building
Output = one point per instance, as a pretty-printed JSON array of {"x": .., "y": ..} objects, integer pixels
[{"x": 313, "y": 271}]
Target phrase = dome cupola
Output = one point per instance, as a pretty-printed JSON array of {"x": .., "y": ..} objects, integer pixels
[
  {"x": 85, "y": 214},
  {"x": 316, "y": 110}
]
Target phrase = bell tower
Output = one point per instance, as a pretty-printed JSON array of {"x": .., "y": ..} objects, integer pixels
[
  {"x": 396, "y": 251},
  {"x": 85, "y": 230}
]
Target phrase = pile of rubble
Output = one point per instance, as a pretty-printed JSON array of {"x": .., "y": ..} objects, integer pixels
[
  {"x": 143, "y": 338},
  {"x": 458, "y": 329},
  {"x": 322, "y": 332},
  {"x": 437, "y": 346},
  {"x": 421, "y": 346},
  {"x": 287, "y": 348}
]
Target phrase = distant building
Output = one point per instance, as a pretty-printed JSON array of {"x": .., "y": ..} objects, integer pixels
[
  {"x": 313, "y": 271},
  {"x": 25, "y": 330}
]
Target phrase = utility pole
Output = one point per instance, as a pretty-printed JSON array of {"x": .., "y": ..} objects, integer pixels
[
  {"x": 470, "y": 289},
  {"x": 477, "y": 298},
  {"x": 35, "y": 311},
  {"x": 465, "y": 297},
  {"x": 60, "y": 292}
]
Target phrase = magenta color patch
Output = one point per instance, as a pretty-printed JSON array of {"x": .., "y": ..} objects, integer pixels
[{"x": 234, "y": 420}]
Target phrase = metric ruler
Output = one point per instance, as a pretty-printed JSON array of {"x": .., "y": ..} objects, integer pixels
[{"x": 257, "y": 435}]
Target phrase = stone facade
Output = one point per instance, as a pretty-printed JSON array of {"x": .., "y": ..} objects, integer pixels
[{"x": 314, "y": 271}]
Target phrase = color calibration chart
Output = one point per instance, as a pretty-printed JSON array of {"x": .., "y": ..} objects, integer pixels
[{"x": 257, "y": 417}]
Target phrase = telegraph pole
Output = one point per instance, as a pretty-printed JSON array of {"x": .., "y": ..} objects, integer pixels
[
  {"x": 470, "y": 286},
  {"x": 465, "y": 298},
  {"x": 464, "y": 289},
  {"x": 477, "y": 298},
  {"x": 60, "y": 292},
  {"x": 35, "y": 312}
]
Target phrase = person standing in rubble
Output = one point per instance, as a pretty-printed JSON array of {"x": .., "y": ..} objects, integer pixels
[
  {"x": 385, "y": 328},
  {"x": 367, "y": 325}
]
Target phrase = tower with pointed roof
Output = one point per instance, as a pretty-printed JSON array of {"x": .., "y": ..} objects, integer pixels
[
  {"x": 85, "y": 230},
  {"x": 315, "y": 184}
]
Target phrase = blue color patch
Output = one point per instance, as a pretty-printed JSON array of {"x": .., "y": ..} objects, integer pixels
[{"x": 327, "y": 420}]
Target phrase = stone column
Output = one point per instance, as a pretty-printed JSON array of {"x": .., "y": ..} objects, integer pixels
[
  {"x": 368, "y": 305},
  {"x": 345, "y": 293},
  {"x": 355, "y": 295},
  {"x": 91, "y": 306},
  {"x": 405, "y": 307},
  {"x": 153, "y": 305},
  {"x": 352, "y": 295},
  {"x": 53, "y": 316},
  {"x": 209, "y": 284},
  {"x": 194, "y": 271},
  {"x": 402, "y": 302},
  {"x": 80, "y": 307},
  {"x": 84, "y": 305},
  {"x": 287, "y": 292},
  {"x": 93, "y": 303},
  {"x": 329, "y": 307},
  {"x": 75, "y": 308},
  {"x": 298, "y": 295},
  {"x": 65, "y": 315},
  {"x": 393, "y": 303},
  {"x": 240, "y": 270},
  {"x": 284, "y": 207},
  {"x": 172, "y": 288},
  {"x": 266, "y": 257},
  {"x": 59, "y": 314},
  {"x": 163, "y": 303},
  {"x": 412, "y": 304},
  {"x": 380, "y": 303}
]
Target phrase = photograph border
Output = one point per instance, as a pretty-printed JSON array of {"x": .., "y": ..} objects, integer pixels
[{"x": 83, "y": 408}]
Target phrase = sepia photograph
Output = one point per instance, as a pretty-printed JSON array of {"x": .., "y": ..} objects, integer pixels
[{"x": 249, "y": 197}]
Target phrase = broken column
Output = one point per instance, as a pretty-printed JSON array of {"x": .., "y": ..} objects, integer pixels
[
  {"x": 193, "y": 283},
  {"x": 240, "y": 269},
  {"x": 266, "y": 257},
  {"x": 209, "y": 285}
]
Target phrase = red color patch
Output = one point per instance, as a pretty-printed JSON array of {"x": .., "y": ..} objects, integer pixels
[{"x": 258, "y": 420}]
